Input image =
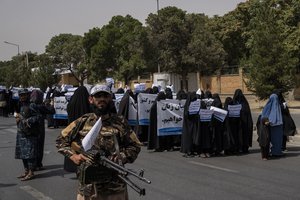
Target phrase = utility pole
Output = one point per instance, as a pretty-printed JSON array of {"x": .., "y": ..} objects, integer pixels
[{"x": 158, "y": 67}]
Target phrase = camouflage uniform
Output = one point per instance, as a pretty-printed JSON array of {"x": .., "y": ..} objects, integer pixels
[{"x": 69, "y": 142}]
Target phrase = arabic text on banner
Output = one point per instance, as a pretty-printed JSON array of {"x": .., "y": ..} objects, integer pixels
[
  {"x": 170, "y": 117},
  {"x": 234, "y": 110},
  {"x": 145, "y": 101},
  {"x": 205, "y": 115},
  {"x": 219, "y": 113},
  {"x": 194, "y": 107}
]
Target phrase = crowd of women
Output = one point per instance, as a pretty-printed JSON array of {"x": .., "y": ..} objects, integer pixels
[{"x": 214, "y": 137}]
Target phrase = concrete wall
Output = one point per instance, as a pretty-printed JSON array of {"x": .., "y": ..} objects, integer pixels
[{"x": 224, "y": 84}]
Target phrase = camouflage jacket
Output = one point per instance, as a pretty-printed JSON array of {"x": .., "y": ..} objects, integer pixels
[{"x": 69, "y": 142}]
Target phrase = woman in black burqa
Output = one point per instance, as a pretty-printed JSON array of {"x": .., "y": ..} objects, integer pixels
[
  {"x": 229, "y": 124},
  {"x": 190, "y": 129},
  {"x": 244, "y": 137},
  {"x": 159, "y": 143},
  {"x": 289, "y": 127},
  {"x": 79, "y": 104},
  {"x": 217, "y": 127}
]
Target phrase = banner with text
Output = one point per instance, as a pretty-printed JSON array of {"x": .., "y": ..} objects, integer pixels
[
  {"x": 132, "y": 112},
  {"x": 170, "y": 117},
  {"x": 60, "y": 106},
  {"x": 145, "y": 102}
]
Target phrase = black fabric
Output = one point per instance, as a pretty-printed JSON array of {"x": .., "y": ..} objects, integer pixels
[
  {"x": 289, "y": 127},
  {"x": 263, "y": 132},
  {"x": 246, "y": 134},
  {"x": 79, "y": 104},
  {"x": 205, "y": 133},
  {"x": 154, "y": 141},
  {"x": 217, "y": 127},
  {"x": 228, "y": 140},
  {"x": 124, "y": 104},
  {"x": 190, "y": 131}
]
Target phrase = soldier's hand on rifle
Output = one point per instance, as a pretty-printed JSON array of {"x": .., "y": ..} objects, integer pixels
[
  {"x": 78, "y": 158},
  {"x": 118, "y": 158}
]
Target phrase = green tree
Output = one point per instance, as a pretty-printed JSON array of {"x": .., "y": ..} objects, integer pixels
[
  {"x": 67, "y": 53},
  {"x": 120, "y": 51},
  {"x": 43, "y": 74},
  {"x": 270, "y": 63},
  {"x": 184, "y": 42}
]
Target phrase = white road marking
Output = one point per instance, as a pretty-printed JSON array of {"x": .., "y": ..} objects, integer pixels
[
  {"x": 214, "y": 167},
  {"x": 35, "y": 193}
]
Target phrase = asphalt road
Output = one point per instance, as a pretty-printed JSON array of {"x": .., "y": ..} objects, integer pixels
[{"x": 173, "y": 176}]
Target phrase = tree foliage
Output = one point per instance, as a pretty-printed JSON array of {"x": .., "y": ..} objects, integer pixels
[
  {"x": 184, "y": 42},
  {"x": 121, "y": 50},
  {"x": 270, "y": 63},
  {"x": 67, "y": 52}
]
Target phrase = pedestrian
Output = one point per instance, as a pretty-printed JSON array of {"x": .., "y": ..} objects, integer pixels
[
  {"x": 289, "y": 127},
  {"x": 190, "y": 128},
  {"x": 263, "y": 132},
  {"x": 115, "y": 134},
  {"x": 229, "y": 126},
  {"x": 243, "y": 136},
  {"x": 27, "y": 135},
  {"x": 217, "y": 128},
  {"x": 272, "y": 111},
  {"x": 36, "y": 103},
  {"x": 78, "y": 105}
]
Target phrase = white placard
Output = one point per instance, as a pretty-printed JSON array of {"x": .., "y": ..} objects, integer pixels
[
  {"x": 145, "y": 101},
  {"x": 89, "y": 140},
  {"x": 234, "y": 110},
  {"x": 132, "y": 112},
  {"x": 194, "y": 107},
  {"x": 170, "y": 117},
  {"x": 205, "y": 115},
  {"x": 219, "y": 113}
]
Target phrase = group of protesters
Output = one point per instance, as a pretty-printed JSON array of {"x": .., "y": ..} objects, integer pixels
[
  {"x": 211, "y": 135},
  {"x": 201, "y": 133}
]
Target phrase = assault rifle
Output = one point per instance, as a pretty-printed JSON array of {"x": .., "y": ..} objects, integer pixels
[{"x": 101, "y": 168}]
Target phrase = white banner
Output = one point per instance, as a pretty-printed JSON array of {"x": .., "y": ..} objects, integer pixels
[
  {"x": 219, "y": 113},
  {"x": 132, "y": 112},
  {"x": 205, "y": 115},
  {"x": 145, "y": 102},
  {"x": 194, "y": 107},
  {"x": 118, "y": 100},
  {"x": 170, "y": 117},
  {"x": 60, "y": 106},
  {"x": 234, "y": 110}
]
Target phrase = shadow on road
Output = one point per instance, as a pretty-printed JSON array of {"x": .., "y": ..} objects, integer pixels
[
  {"x": 52, "y": 170},
  {"x": 2, "y": 185}
]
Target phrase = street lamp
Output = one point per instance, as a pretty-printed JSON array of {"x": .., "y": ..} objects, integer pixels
[{"x": 14, "y": 45}]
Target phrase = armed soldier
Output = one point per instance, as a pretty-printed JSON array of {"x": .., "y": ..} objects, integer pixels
[{"x": 115, "y": 139}]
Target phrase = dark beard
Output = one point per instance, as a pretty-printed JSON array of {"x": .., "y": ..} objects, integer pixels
[{"x": 99, "y": 111}]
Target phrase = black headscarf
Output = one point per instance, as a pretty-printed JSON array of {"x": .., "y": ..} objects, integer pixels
[
  {"x": 169, "y": 94},
  {"x": 190, "y": 131},
  {"x": 181, "y": 95},
  {"x": 217, "y": 101},
  {"x": 246, "y": 120},
  {"x": 79, "y": 104}
]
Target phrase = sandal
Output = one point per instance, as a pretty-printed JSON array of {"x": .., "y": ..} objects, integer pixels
[
  {"x": 28, "y": 177},
  {"x": 23, "y": 175}
]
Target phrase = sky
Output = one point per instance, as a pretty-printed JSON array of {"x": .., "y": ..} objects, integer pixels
[{"x": 30, "y": 24}]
